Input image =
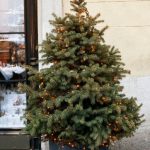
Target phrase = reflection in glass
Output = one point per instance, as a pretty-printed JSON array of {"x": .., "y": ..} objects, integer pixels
[
  {"x": 12, "y": 49},
  {"x": 12, "y": 106},
  {"x": 12, "y": 14},
  {"x": 12, "y": 55}
]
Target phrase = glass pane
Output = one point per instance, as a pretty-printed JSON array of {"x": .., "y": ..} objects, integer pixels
[
  {"x": 12, "y": 49},
  {"x": 12, "y": 56},
  {"x": 12, "y": 105},
  {"x": 12, "y": 15}
]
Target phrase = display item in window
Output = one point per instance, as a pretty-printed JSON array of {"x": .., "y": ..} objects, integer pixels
[
  {"x": 2, "y": 113},
  {"x": 12, "y": 106},
  {"x": 17, "y": 102},
  {"x": 12, "y": 72},
  {"x": 12, "y": 52}
]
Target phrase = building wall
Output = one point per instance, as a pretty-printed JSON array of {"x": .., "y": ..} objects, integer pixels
[
  {"x": 45, "y": 10},
  {"x": 129, "y": 31}
]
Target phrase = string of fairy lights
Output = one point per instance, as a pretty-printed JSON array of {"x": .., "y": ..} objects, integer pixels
[{"x": 115, "y": 126}]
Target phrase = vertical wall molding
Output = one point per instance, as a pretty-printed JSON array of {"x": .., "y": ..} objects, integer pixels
[
  {"x": 31, "y": 32},
  {"x": 45, "y": 10}
]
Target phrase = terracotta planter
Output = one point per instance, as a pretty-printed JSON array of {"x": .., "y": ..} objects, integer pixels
[{"x": 54, "y": 146}]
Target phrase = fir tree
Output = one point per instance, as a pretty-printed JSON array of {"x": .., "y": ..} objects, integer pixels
[{"x": 79, "y": 100}]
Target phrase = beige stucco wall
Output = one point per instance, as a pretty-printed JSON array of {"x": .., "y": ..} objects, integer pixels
[
  {"x": 45, "y": 10},
  {"x": 129, "y": 30}
]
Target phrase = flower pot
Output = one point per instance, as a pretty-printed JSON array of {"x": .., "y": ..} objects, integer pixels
[{"x": 55, "y": 146}]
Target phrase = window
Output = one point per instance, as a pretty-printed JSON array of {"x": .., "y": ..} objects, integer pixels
[
  {"x": 18, "y": 41},
  {"x": 12, "y": 32}
]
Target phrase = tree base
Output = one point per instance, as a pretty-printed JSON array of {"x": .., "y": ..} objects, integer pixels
[{"x": 55, "y": 146}]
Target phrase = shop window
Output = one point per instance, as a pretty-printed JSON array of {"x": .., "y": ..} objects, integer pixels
[{"x": 18, "y": 42}]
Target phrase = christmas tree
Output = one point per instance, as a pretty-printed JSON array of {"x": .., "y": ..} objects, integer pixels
[{"x": 79, "y": 99}]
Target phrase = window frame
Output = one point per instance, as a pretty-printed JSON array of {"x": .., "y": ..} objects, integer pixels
[
  {"x": 31, "y": 40},
  {"x": 31, "y": 32}
]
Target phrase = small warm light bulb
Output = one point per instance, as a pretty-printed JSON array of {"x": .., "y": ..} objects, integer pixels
[
  {"x": 77, "y": 85},
  {"x": 83, "y": 148},
  {"x": 55, "y": 62},
  {"x": 126, "y": 118},
  {"x": 103, "y": 98},
  {"x": 109, "y": 124},
  {"x": 62, "y": 29},
  {"x": 46, "y": 94},
  {"x": 117, "y": 122},
  {"x": 53, "y": 98},
  {"x": 72, "y": 145},
  {"x": 62, "y": 146}
]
